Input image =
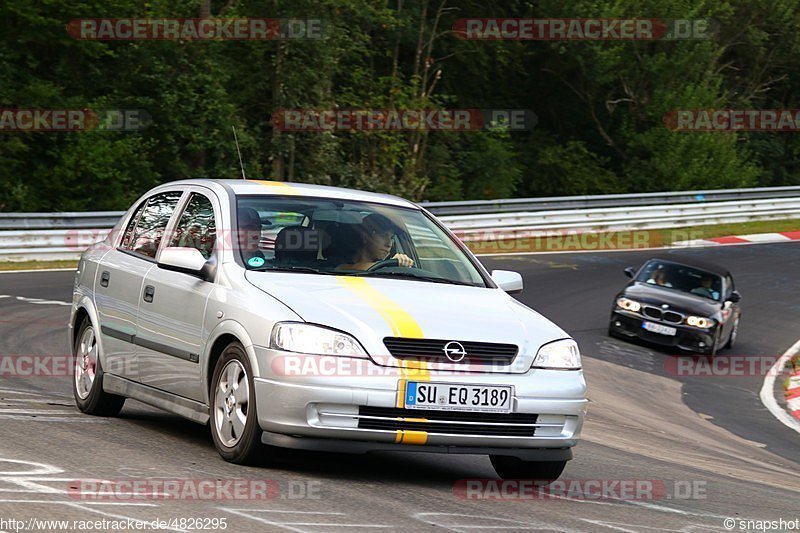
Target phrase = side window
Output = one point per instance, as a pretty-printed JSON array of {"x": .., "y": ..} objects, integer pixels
[
  {"x": 127, "y": 237},
  {"x": 196, "y": 227},
  {"x": 151, "y": 224}
]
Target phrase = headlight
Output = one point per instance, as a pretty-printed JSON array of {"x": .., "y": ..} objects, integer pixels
[
  {"x": 700, "y": 321},
  {"x": 305, "y": 338},
  {"x": 629, "y": 305},
  {"x": 563, "y": 354}
]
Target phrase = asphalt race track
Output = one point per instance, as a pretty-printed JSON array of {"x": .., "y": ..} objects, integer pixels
[{"x": 711, "y": 434}]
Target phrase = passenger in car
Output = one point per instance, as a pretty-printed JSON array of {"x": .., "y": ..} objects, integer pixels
[
  {"x": 705, "y": 289},
  {"x": 371, "y": 242},
  {"x": 250, "y": 236}
]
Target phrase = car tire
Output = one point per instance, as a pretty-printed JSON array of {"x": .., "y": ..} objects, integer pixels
[
  {"x": 234, "y": 418},
  {"x": 544, "y": 472},
  {"x": 87, "y": 378},
  {"x": 734, "y": 333}
]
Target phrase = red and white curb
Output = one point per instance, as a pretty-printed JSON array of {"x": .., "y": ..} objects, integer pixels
[
  {"x": 740, "y": 239},
  {"x": 792, "y": 393},
  {"x": 767, "y": 393}
]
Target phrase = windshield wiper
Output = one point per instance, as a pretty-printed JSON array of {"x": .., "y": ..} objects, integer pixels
[
  {"x": 290, "y": 268},
  {"x": 423, "y": 277}
]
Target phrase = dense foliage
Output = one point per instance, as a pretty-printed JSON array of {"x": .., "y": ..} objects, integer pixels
[{"x": 600, "y": 105}]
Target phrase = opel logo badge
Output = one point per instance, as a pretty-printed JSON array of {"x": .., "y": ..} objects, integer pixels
[
  {"x": 454, "y": 351},
  {"x": 665, "y": 306}
]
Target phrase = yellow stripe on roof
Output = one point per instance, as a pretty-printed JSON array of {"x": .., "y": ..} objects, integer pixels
[{"x": 279, "y": 187}]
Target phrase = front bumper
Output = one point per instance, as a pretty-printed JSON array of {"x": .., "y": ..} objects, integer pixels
[
  {"x": 361, "y": 413},
  {"x": 687, "y": 338}
]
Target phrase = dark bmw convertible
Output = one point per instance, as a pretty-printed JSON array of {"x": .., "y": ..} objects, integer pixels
[{"x": 690, "y": 305}]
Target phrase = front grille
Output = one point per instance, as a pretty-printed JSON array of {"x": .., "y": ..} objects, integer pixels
[
  {"x": 657, "y": 314},
  {"x": 449, "y": 422},
  {"x": 652, "y": 312},
  {"x": 478, "y": 353}
]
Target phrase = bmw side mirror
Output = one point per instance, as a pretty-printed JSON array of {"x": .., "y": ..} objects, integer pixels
[
  {"x": 185, "y": 260},
  {"x": 630, "y": 272},
  {"x": 509, "y": 281},
  {"x": 734, "y": 297}
]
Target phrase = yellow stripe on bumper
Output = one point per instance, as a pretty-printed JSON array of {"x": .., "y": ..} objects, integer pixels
[
  {"x": 402, "y": 324},
  {"x": 411, "y": 437}
]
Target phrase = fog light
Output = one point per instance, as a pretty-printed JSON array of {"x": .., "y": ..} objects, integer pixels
[
  {"x": 618, "y": 323},
  {"x": 701, "y": 344}
]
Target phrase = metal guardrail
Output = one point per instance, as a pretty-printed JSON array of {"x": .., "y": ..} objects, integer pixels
[
  {"x": 472, "y": 207},
  {"x": 57, "y": 236}
]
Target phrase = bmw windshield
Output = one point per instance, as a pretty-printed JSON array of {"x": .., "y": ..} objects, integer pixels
[
  {"x": 345, "y": 237},
  {"x": 682, "y": 278}
]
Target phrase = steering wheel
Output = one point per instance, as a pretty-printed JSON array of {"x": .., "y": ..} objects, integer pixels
[{"x": 386, "y": 263}]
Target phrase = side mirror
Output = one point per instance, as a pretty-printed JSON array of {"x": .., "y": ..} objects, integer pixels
[
  {"x": 509, "y": 281},
  {"x": 630, "y": 272},
  {"x": 185, "y": 260},
  {"x": 734, "y": 297}
]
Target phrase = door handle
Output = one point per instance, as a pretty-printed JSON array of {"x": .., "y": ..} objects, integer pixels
[
  {"x": 149, "y": 292},
  {"x": 104, "y": 277}
]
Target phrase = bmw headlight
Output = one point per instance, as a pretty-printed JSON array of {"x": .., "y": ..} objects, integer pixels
[
  {"x": 563, "y": 355},
  {"x": 308, "y": 339},
  {"x": 629, "y": 305},
  {"x": 700, "y": 321}
]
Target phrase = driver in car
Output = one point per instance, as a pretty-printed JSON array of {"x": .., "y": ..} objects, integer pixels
[{"x": 373, "y": 242}]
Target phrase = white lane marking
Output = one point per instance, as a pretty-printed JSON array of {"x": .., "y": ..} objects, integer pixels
[
  {"x": 40, "y": 301},
  {"x": 39, "y": 469},
  {"x": 4, "y": 296},
  {"x": 261, "y": 520},
  {"x": 618, "y": 526},
  {"x": 767, "y": 395},
  {"x": 466, "y": 522},
  {"x": 4, "y": 410},
  {"x": 646, "y": 505},
  {"x": 325, "y": 524},
  {"x": 293, "y": 526},
  {"x": 286, "y": 511},
  {"x": 33, "y": 393},
  {"x": 132, "y": 504},
  {"x": 73, "y": 503},
  {"x": 65, "y": 419},
  {"x": 28, "y": 271}
]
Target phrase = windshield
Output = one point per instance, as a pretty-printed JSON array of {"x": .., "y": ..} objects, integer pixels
[
  {"x": 682, "y": 278},
  {"x": 342, "y": 237}
]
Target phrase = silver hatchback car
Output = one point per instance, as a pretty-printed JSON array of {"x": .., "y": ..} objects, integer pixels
[{"x": 320, "y": 318}]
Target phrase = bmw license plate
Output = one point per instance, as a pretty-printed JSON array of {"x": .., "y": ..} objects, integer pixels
[
  {"x": 452, "y": 397},
  {"x": 658, "y": 328}
]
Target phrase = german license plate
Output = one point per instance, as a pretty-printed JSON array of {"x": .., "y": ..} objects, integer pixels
[
  {"x": 658, "y": 328},
  {"x": 453, "y": 397}
]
